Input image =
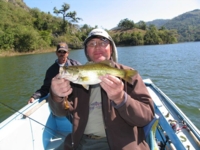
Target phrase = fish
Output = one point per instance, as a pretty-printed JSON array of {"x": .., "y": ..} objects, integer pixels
[{"x": 89, "y": 73}]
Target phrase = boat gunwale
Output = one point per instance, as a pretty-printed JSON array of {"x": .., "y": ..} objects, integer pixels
[{"x": 179, "y": 113}]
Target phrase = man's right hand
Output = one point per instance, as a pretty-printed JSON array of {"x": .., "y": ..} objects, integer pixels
[
  {"x": 31, "y": 100},
  {"x": 60, "y": 88}
]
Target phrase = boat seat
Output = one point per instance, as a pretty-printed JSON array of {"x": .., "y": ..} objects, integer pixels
[
  {"x": 56, "y": 141},
  {"x": 63, "y": 122},
  {"x": 63, "y": 128},
  {"x": 150, "y": 132}
]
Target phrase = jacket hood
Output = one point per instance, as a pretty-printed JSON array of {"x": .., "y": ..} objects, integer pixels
[{"x": 102, "y": 33}]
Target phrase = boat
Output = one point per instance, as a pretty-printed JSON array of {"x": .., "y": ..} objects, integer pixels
[
  {"x": 174, "y": 130},
  {"x": 34, "y": 127}
]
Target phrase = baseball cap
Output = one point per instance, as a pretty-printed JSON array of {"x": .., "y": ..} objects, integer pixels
[{"x": 62, "y": 46}]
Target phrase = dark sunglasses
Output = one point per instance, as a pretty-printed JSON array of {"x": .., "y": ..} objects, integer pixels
[{"x": 63, "y": 52}]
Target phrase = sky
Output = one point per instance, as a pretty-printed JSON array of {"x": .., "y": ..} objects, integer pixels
[{"x": 107, "y": 14}]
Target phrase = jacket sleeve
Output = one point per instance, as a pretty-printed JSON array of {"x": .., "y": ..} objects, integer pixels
[{"x": 138, "y": 110}]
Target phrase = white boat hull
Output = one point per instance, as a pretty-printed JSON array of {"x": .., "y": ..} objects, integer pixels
[{"x": 41, "y": 130}]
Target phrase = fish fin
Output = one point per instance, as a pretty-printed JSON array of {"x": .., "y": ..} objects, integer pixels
[
  {"x": 108, "y": 62},
  {"x": 84, "y": 78},
  {"x": 61, "y": 70},
  {"x": 85, "y": 86},
  {"x": 105, "y": 62},
  {"x": 129, "y": 74},
  {"x": 89, "y": 63}
]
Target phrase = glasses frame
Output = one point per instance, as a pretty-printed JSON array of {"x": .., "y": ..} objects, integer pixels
[{"x": 102, "y": 43}]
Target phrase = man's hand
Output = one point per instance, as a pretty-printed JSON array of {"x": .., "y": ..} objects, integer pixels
[
  {"x": 31, "y": 100},
  {"x": 114, "y": 88},
  {"x": 60, "y": 88}
]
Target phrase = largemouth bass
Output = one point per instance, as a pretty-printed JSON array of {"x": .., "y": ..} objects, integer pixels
[{"x": 89, "y": 73}]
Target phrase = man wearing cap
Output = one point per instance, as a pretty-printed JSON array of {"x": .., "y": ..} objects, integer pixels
[
  {"x": 62, "y": 53},
  {"x": 112, "y": 114}
]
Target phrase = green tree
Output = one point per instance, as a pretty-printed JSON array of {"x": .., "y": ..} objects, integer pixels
[
  {"x": 6, "y": 39},
  {"x": 152, "y": 36},
  {"x": 162, "y": 28},
  {"x": 116, "y": 38},
  {"x": 46, "y": 36},
  {"x": 70, "y": 16},
  {"x": 126, "y": 24},
  {"x": 27, "y": 39},
  {"x": 140, "y": 40},
  {"x": 167, "y": 36},
  {"x": 142, "y": 25}
]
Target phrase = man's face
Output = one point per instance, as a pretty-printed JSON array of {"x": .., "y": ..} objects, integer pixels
[
  {"x": 62, "y": 56},
  {"x": 98, "y": 49}
]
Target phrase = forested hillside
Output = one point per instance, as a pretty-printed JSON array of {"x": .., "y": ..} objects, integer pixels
[
  {"x": 187, "y": 25},
  {"x": 128, "y": 33},
  {"x": 158, "y": 22},
  {"x": 25, "y": 30}
]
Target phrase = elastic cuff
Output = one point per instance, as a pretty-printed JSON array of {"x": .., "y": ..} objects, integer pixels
[{"x": 122, "y": 103}]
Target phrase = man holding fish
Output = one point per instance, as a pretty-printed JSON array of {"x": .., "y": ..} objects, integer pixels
[{"x": 109, "y": 102}]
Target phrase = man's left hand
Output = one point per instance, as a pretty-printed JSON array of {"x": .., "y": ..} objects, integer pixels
[{"x": 114, "y": 88}]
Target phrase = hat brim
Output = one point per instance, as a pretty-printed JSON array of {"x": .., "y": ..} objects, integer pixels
[
  {"x": 62, "y": 49},
  {"x": 92, "y": 37}
]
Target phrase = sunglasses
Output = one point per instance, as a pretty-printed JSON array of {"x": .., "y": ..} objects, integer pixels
[{"x": 62, "y": 52}]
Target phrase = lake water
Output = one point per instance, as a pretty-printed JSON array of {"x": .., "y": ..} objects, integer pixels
[{"x": 174, "y": 68}]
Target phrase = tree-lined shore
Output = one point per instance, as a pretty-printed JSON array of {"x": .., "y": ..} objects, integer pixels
[
  {"x": 14, "y": 53},
  {"x": 29, "y": 31}
]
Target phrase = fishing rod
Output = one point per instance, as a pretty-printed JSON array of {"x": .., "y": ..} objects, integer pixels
[{"x": 27, "y": 116}]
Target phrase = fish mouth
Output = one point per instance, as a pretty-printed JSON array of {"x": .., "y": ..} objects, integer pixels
[{"x": 70, "y": 77}]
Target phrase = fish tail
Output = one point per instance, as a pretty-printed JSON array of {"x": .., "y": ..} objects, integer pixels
[{"x": 129, "y": 74}]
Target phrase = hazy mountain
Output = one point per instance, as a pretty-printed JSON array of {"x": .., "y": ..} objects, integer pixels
[
  {"x": 187, "y": 25},
  {"x": 158, "y": 22}
]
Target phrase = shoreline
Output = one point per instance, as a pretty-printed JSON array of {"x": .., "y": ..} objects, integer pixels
[{"x": 13, "y": 53}]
